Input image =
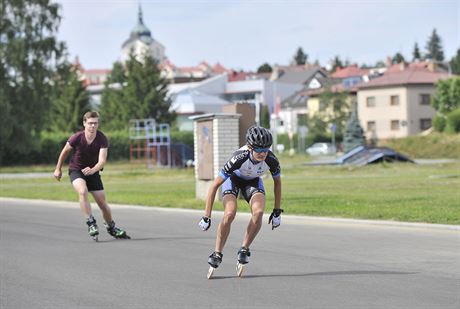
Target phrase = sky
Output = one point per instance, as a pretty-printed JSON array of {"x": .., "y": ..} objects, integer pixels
[{"x": 242, "y": 35}]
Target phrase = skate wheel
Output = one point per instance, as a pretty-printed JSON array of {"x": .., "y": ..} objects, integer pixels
[
  {"x": 239, "y": 269},
  {"x": 210, "y": 272},
  {"x": 95, "y": 238}
]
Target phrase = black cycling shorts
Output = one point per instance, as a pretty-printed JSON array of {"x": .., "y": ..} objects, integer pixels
[
  {"x": 248, "y": 188},
  {"x": 93, "y": 182}
]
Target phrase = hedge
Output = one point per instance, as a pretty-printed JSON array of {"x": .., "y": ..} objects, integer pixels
[{"x": 49, "y": 145}]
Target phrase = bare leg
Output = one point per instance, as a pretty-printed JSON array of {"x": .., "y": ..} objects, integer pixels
[
  {"x": 257, "y": 203},
  {"x": 99, "y": 197},
  {"x": 79, "y": 185},
  {"x": 223, "y": 230}
]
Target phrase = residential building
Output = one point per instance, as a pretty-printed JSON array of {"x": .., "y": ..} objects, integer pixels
[
  {"x": 397, "y": 104},
  {"x": 209, "y": 96}
]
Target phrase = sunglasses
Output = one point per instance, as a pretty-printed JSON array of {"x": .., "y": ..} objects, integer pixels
[{"x": 260, "y": 150}]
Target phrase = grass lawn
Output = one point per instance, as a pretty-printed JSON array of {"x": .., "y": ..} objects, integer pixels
[{"x": 398, "y": 191}]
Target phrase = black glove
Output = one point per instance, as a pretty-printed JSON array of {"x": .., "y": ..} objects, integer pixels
[
  {"x": 275, "y": 218},
  {"x": 205, "y": 223}
]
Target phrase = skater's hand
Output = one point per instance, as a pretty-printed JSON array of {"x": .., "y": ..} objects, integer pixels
[
  {"x": 87, "y": 171},
  {"x": 275, "y": 218},
  {"x": 205, "y": 223},
  {"x": 57, "y": 174}
]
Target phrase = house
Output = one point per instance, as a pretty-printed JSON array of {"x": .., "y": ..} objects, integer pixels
[
  {"x": 219, "y": 90},
  {"x": 295, "y": 106},
  {"x": 397, "y": 104},
  {"x": 351, "y": 75},
  {"x": 310, "y": 76},
  {"x": 202, "y": 71}
]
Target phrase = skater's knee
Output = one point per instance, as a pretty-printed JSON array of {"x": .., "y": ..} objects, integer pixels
[
  {"x": 83, "y": 192},
  {"x": 229, "y": 217},
  {"x": 257, "y": 215}
]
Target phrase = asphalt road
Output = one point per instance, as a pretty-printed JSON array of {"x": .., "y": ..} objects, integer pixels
[{"x": 48, "y": 261}]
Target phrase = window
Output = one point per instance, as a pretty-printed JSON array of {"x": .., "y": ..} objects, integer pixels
[
  {"x": 371, "y": 126},
  {"x": 394, "y": 100},
  {"x": 425, "y": 99},
  {"x": 370, "y": 101},
  {"x": 394, "y": 125},
  {"x": 425, "y": 124}
]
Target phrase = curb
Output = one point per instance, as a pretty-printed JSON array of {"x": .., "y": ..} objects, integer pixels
[{"x": 295, "y": 219}]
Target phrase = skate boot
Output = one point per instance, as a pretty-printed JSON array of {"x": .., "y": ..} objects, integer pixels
[
  {"x": 92, "y": 228},
  {"x": 115, "y": 231},
  {"x": 214, "y": 261},
  {"x": 243, "y": 259}
]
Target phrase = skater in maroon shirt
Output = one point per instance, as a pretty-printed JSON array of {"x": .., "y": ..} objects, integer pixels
[{"x": 90, "y": 148}]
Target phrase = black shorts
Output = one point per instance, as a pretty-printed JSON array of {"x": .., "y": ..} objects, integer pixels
[
  {"x": 93, "y": 182},
  {"x": 248, "y": 188}
]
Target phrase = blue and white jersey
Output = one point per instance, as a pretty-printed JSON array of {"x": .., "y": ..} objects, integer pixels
[{"x": 243, "y": 165}]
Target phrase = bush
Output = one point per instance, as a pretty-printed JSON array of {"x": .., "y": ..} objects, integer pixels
[
  {"x": 453, "y": 121},
  {"x": 439, "y": 123},
  {"x": 48, "y": 146},
  {"x": 118, "y": 145},
  {"x": 182, "y": 137}
]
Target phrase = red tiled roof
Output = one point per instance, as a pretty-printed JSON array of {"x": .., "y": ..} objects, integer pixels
[
  {"x": 408, "y": 76},
  {"x": 420, "y": 66},
  {"x": 237, "y": 76},
  {"x": 349, "y": 71},
  {"x": 218, "y": 68},
  {"x": 334, "y": 88}
]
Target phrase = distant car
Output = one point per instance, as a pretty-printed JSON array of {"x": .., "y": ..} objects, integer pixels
[{"x": 318, "y": 149}]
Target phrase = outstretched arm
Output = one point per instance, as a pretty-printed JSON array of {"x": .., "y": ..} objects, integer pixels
[
  {"x": 277, "y": 192},
  {"x": 218, "y": 181},
  {"x": 64, "y": 154}
]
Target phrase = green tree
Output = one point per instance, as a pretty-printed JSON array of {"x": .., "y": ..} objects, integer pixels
[
  {"x": 140, "y": 92},
  {"x": 447, "y": 96},
  {"x": 336, "y": 109},
  {"x": 354, "y": 133},
  {"x": 317, "y": 128},
  {"x": 433, "y": 47},
  {"x": 29, "y": 51},
  {"x": 455, "y": 63},
  {"x": 300, "y": 58},
  {"x": 265, "y": 68},
  {"x": 69, "y": 100},
  {"x": 380, "y": 64},
  {"x": 265, "y": 117},
  {"x": 336, "y": 63},
  {"x": 113, "y": 108},
  {"x": 416, "y": 52},
  {"x": 398, "y": 58}
]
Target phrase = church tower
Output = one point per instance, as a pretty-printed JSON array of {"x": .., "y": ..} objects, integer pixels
[{"x": 141, "y": 43}]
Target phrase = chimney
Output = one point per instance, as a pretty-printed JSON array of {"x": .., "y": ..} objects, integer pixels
[
  {"x": 389, "y": 62},
  {"x": 432, "y": 66},
  {"x": 402, "y": 65}
]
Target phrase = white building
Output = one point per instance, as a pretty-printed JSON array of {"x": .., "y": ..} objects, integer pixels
[{"x": 141, "y": 43}]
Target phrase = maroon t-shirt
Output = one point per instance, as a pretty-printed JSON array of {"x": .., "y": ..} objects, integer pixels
[{"x": 86, "y": 155}]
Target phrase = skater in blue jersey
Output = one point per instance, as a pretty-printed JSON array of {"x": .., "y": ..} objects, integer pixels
[{"x": 242, "y": 174}]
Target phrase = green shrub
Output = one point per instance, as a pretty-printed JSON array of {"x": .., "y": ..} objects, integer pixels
[
  {"x": 453, "y": 121},
  {"x": 182, "y": 137},
  {"x": 439, "y": 123},
  {"x": 434, "y": 145},
  {"x": 118, "y": 145}
]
